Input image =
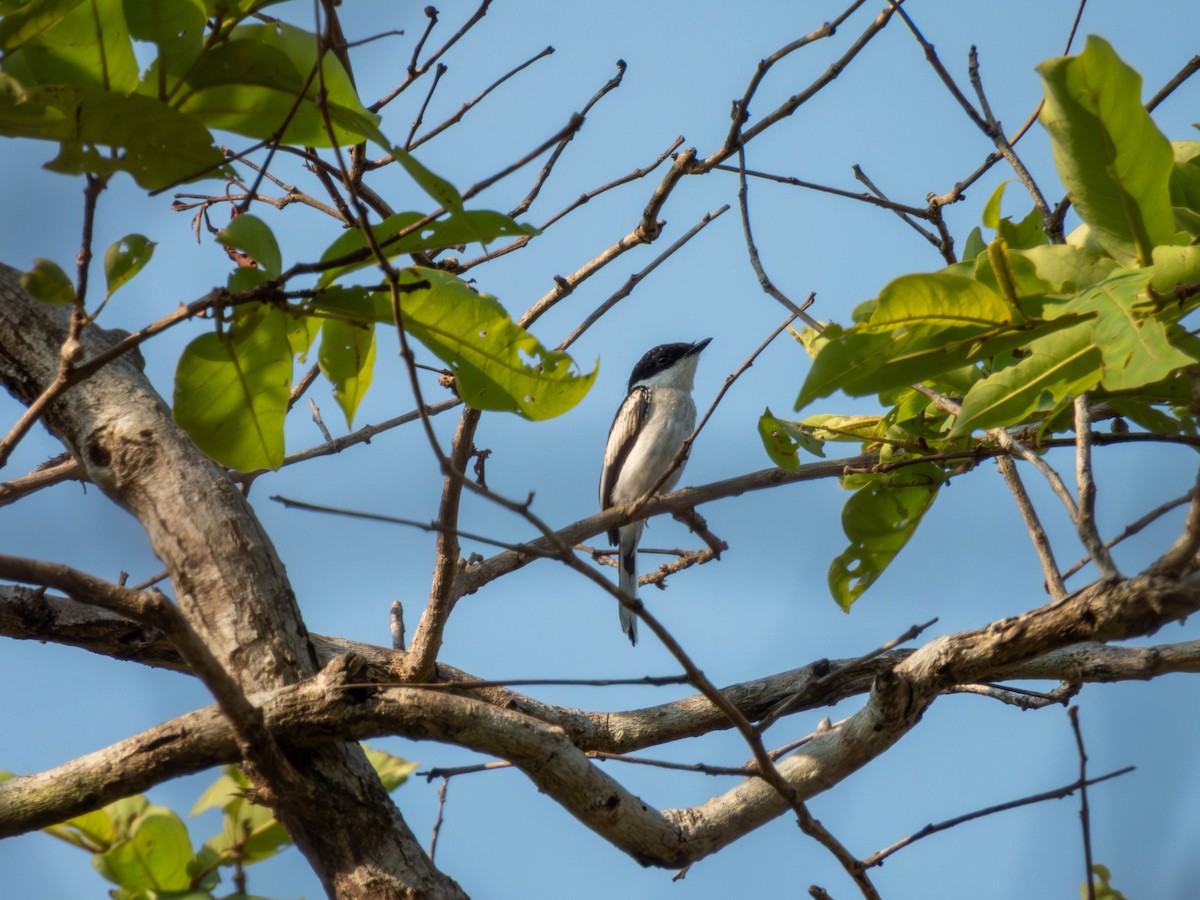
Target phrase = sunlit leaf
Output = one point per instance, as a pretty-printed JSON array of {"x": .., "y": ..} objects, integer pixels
[
  {"x": 1115, "y": 162},
  {"x": 991, "y": 209},
  {"x": 251, "y": 235},
  {"x": 497, "y": 365},
  {"x": 783, "y": 441},
  {"x": 392, "y": 770},
  {"x": 154, "y": 143},
  {"x": 175, "y": 27},
  {"x": 879, "y": 519},
  {"x": 936, "y": 298},
  {"x": 29, "y": 21},
  {"x": 1133, "y": 345},
  {"x": 473, "y": 225},
  {"x": 347, "y": 359},
  {"x": 249, "y": 85},
  {"x": 125, "y": 259},
  {"x": 47, "y": 282},
  {"x": 88, "y": 46},
  {"x": 155, "y": 856},
  {"x": 232, "y": 389},
  {"x": 1058, "y": 365}
]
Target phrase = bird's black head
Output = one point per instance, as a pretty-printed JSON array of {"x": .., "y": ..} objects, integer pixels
[{"x": 662, "y": 358}]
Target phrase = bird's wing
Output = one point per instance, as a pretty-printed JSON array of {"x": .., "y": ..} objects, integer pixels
[{"x": 621, "y": 437}]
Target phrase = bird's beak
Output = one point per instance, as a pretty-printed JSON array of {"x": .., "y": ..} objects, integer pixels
[{"x": 698, "y": 346}]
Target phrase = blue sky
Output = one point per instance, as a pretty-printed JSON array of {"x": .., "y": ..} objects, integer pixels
[{"x": 764, "y": 608}]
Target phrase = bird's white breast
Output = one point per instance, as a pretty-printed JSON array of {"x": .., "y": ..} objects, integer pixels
[{"x": 669, "y": 420}]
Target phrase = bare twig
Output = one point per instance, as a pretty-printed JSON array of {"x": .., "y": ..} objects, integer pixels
[
  {"x": 1041, "y": 542},
  {"x": 993, "y": 129},
  {"x": 1084, "y": 817},
  {"x": 635, "y": 279},
  {"x": 1133, "y": 528},
  {"x": 1085, "y": 520},
  {"x": 437, "y": 823},
  {"x": 466, "y": 107},
  {"x": 876, "y": 859}
]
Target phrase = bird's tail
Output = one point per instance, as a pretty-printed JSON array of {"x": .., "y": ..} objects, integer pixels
[{"x": 628, "y": 580}]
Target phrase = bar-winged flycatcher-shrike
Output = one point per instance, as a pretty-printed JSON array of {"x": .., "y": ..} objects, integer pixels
[{"x": 647, "y": 434}]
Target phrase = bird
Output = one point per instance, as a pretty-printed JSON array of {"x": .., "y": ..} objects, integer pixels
[{"x": 647, "y": 434}]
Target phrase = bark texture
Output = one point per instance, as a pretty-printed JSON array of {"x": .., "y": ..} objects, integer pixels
[{"x": 228, "y": 582}]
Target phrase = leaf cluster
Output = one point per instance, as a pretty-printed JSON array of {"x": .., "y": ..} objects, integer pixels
[
  {"x": 146, "y": 851},
  {"x": 1011, "y": 335},
  {"x": 69, "y": 75}
]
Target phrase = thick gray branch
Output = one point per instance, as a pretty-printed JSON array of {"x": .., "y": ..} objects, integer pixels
[{"x": 228, "y": 582}]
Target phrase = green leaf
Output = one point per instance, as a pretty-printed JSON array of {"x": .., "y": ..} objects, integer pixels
[
  {"x": 1029, "y": 232},
  {"x": 27, "y": 23},
  {"x": 251, "y": 235},
  {"x": 1066, "y": 268},
  {"x": 1114, "y": 161},
  {"x": 991, "y": 209},
  {"x": 860, "y": 364},
  {"x": 249, "y": 85},
  {"x": 88, "y": 46},
  {"x": 879, "y": 520},
  {"x": 155, "y": 856},
  {"x": 392, "y": 770},
  {"x": 175, "y": 27},
  {"x": 232, "y": 389},
  {"x": 937, "y": 299},
  {"x": 1175, "y": 266},
  {"x": 974, "y": 246},
  {"x": 782, "y": 440},
  {"x": 1058, "y": 365},
  {"x": 154, "y": 143},
  {"x": 125, "y": 259},
  {"x": 1133, "y": 345},
  {"x": 47, "y": 282},
  {"x": 476, "y": 225},
  {"x": 347, "y": 359},
  {"x": 497, "y": 365},
  {"x": 223, "y": 792},
  {"x": 438, "y": 188}
]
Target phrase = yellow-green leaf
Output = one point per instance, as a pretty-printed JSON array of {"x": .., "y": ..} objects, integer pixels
[
  {"x": 1115, "y": 162},
  {"x": 232, "y": 389},
  {"x": 125, "y": 259},
  {"x": 47, "y": 282}
]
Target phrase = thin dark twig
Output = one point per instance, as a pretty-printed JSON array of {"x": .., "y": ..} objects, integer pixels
[
  {"x": 416, "y": 123},
  {"x": 434, "y": 527},
  {"x": 415, "y": 71},
  {"x": 798, "y": 312},
  {"x": 993, "y": 129},
  {"x": 876, "y": 859},
  {"x": 904, "y": 216},
  {"x": 1084, "y": 817},
  {"x": 437, "y": 823},
  {"x": 470, "y": 104},
  {"x": 862, "y": 196},
  {"x": 1133, "y": 528},
  {"x": 610, "y": 85},
  {"x": 636, "y": 278},
  {"x": 1190, "y": 68},
  {"x": 1033, "y": 524}
]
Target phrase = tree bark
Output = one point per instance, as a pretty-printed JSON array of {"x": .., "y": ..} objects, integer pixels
[{"x": 229, "y": 583}]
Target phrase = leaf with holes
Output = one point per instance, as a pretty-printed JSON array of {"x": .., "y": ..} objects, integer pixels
[
  {"x": 879, "y": 520},
  {"x": 125, "y": 259}
]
